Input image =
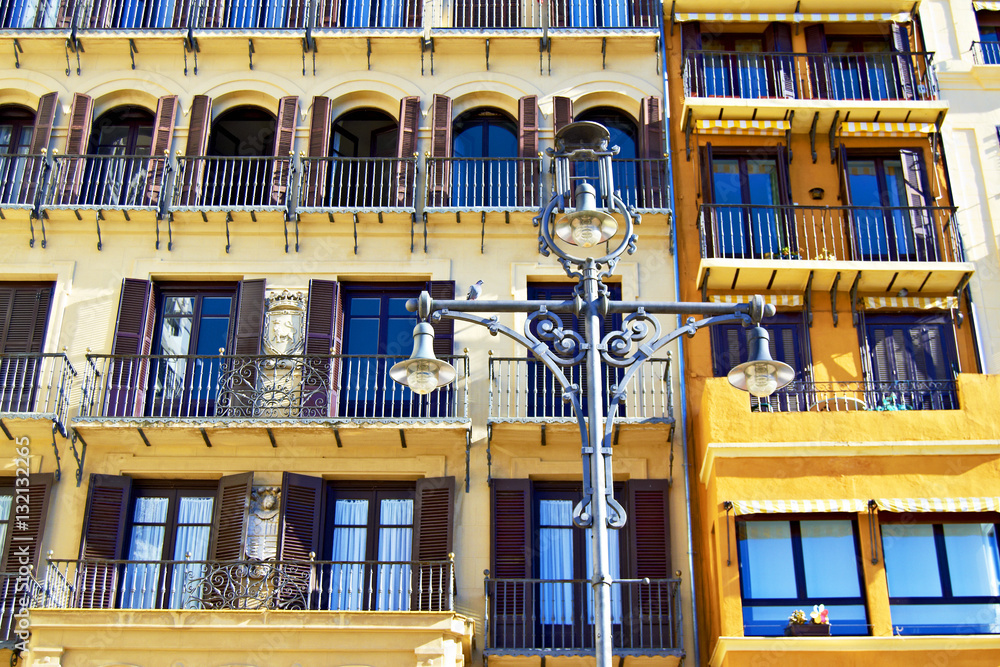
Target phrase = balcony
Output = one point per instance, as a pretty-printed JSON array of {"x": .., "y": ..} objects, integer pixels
[
  {"x": 855, "y": 396},
  {"x": 766, "y": 86},
  {"x": 248, "y": 186},
  {"x": 553, "y": 617},
  {"x": 641, "y": 183},
  {"x": 352, "y": 394},
  {"x": 357, "y": 185},
  {"x": 483, "y": 184},
  {"x": 986, "y": 53},
  {"x": 778, "y": 247},
  {"x": 34, "y": 392},
  {"x": 21, "y": 177},
  {"x": 128, "y": 185}
]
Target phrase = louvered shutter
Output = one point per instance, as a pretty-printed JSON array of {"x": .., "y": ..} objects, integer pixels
[
  {"x": 904, "y": 63},
  {"x": 250, "y": 317},
  {"x": 284, "y": 138},
  {"x": 924, "y": 242},
  {"x": 710, "y": 217},
  {"x": 238, "y": 397},
  {"x": 511, "y": 606},
  {"x": 406, "y": 150},
  {"x": 652, "y": 190},
  {"x": 414, "y": 13},
  {"x": 69, "y": 179},
  {"x": 104, "y": 527},
  {"x": 40, "y": 136},
  {"x": 183, "y": 16},
  {"x": 778, "y": 39},
  {"x": 324, "y": 324},
  {"x": 193, "y": 171},
  {"x": 562, "y": 113},
  {"x": 232, "y": 512},
  {"x": 433, "y": 526},
  {"x": 125, "y": 391},
  {"x": 444, "y": 330},
  {"x": 319, "y": 149},
  {"x": 163, "y": 130},
  {"x": 728, "y": 348},
  {"x": 300, "y": 519},
  {"x": 694, "y": 61},
  {"x": 818, "y": 73},
  {"x": 297, "y": 14},
  {"x": 25, "y": 531},
  {"x": 644, "y": 14},
  {"x": 24, "y": 311},
  {"x": 439, "y": 173},
  {"x": 649, "y": 555},
  {"x": 786, "y": 236},
  {"x": 527, "y": 144},
  {"x": 64, "y": 17}
]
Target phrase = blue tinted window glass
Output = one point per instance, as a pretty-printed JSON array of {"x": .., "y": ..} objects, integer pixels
[
  {"x": 830, "y": 559},
  {"x": 766, "y": 564},
  {"x": 726, "y": 181},
  {"x": 972, "y": 558},
  {"x": 362, "y": 336},
  {"x": 911, "y": 563},
  {"x": 212, "y": 335},
  {"x": 365, "y": 306},
  {"x": 398, "y": 307},
  {"x": 216, "y": 305}
]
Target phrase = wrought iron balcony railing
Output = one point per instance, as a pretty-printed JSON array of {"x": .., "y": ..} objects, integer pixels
[
  {"x": 250, "y": 584},
  {"x": 467, "y": 184},
  {"x": 357, "y": 184},
  {"x": 860, "y": 396},
  {"x": 553, "y": 616},
  {"x": 21, "y": 177},
  {"x": 106, "y": 182},
  {"x": 523, "y": 389},
  {"x": 870, "y": 77},
  {"x": 573, "y": 14},
  {"x": 986, "y": 53},
  {"x": 36, "y": 384},
  {"x": 14, "y": 589},
  {"x": 641, "y": 183},
  {"x": 263, "y": 387},
  {"x": 233, "y": 183},
  {"x": 856, "y": 233}
]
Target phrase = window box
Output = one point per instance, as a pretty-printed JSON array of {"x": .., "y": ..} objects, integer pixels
[{"x": 807, "y": 630}]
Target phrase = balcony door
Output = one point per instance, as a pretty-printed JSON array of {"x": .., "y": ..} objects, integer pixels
[
  {"x": 16, "y": 131},
  {"x": 24, "y": 314},
  {"x": 365, "y": 140},
  {"x": 913, "y": 362},
  {"x": 246, "y": 136},
  {"x": 484, "y": 171},
  {"x": 122, "y": 139}
]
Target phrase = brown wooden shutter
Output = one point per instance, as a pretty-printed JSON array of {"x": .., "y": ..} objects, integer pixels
[
  {"x": 527, "y": 144},
  {"x": 649, "y": 556},
  {"x": 284, "y": 139},
  {"x": 70, "y": 177},
  {"x": 511, "y": 607},
  {"x": 444, "y": 330},
  {"x": 193, "y": 171},
  {"x": 250, "y": 317},
  {"x": 163, "y": 132},
  {"x": 64, "y": 18},
  {"x": 125, "y": 391},
  {"x": 41, "y": 134},
  {"x": 693, "y": 68},
  {"x": 324, "y": 327},
  {"x": 414, "y": 13},
  {"x": 300, "y": 519},
  {"x": 816, "y": 43},
  {"x": 644, "y": 14},
  {"x": 319, "y": 148},
  {"x": 439, "y": 172},
  {"x": 25, "y": 531},
  {"x": 406, "y": 149},
  {"x": 104, "y": 527},
  {"x": 653, "y": 190},
  {"x": 710, "y": 217},
  {"x": 562, "y": 112},
  {"x": 778, "y": 39},
  {"x": 232, "y": 512},
  {"x": 24, "y": 310},
  {"x": 904, "y": 63},
  {"x": 433, "y": 526}
]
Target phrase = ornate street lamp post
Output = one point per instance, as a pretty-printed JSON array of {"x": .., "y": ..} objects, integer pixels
[{"x": 590, "y": 224}]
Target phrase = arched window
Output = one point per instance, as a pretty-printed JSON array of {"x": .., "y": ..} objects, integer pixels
[
  {"x": 625, "y": 136},
  {"x": 244, "y": 135},
  {"x": 16, "y": 123},
  {"x": 242, "y": 132},
  {"x": 126, "y": 130},
  {"x": 485, "y": 165},
  {"x": 16, "y": 130},
  {"x": 364, "y": 133},
  {"x": 363, "y": 145}
]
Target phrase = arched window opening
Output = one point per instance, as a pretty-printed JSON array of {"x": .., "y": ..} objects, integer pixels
[
  {"x": 244, "y": 136},
  {"x": 625, "y": 136},
  {"x": 242, "y": 132},
  {"x": 363, "y": 147},
  {"x": 16, "y": 125},
  {"x": 485, "y": 169},
  {"x": 126, "y": 130}
]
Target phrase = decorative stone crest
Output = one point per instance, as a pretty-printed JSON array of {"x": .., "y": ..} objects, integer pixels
[
  {"x": 262, "y": 527},
  {"x": 285, "y": 323}
]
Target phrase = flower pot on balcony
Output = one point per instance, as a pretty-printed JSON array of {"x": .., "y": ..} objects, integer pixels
[{"x": 807, "y": 630}]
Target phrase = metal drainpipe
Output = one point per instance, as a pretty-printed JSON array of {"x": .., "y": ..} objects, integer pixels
[{"x": 681, "y": 385}]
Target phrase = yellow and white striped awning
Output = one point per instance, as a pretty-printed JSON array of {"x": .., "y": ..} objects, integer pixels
[
  {"x": 921, "y": 302},
  {"x": 852, "y": 505},
  {"x": 776, "y": 299},
  {"x": 980, "y": 504},
  {"x": 852, "y": 129},
  {"x": 760, "y": 128},
  {"x": 986, "y": 6},
  {"x": 855, "y": 17}
]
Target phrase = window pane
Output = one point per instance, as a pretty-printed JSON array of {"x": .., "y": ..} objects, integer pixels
[
  {"x": 216, "y": 305},
  {"x": 213, "y": 333},
  {"x": 348, "y": 581},
  {"x": 726, "y": 182},
  {"x": 972, "y": 558},
  {"x": 771, "y": 621},
  {"x": 5, "y": 502},
  {"x": 178, "y": 305},
  {"x": 911, "y": 564},
  {"x": 830, "y": 559},
  {"x": 175, "y": 335},
  {"x": 395, "y": 539},
  {"x": 766, "y": 566},
  {"x": 362, "y": 335},
  {"x": 365, "y": 306},
  {"x": 555, "y": 554},
  {"x": 140, "y": 580},
  {"x": 946, "y": 619}
]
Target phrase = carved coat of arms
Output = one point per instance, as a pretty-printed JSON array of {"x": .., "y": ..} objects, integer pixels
[{"x": 284, "y": 323}]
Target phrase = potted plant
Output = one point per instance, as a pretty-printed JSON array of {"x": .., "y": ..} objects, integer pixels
[{"x": 817, "y": 625}]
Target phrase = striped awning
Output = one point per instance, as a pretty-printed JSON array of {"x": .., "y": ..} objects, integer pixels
[
  {"x": 852, "y": 505},
  {"x": 762, "y": 128},
  {"x": 852, "y": 129},
  {"x": 899, "y": 17},
  {"x": 986, "y": 6},
  {"x": 921, "y": 302},
  {"x": 776, "y": 299},
  {"x": 980, "y": 504}
]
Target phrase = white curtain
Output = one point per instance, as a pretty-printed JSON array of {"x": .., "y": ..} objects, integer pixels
[
  {"x": 395, "y": 541},
  {"x": 555, "y": 553},
  {"x": 139, "y": 580},
  {"x": 194, "y": 526},
  {"x": 347, "y": 580}
]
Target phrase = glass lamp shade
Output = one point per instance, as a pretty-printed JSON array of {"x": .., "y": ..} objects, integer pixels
[
  {"x": 423, "y": 372},
  {"x": 760, "y": 374},
  {"x": 587, "y": 225}
]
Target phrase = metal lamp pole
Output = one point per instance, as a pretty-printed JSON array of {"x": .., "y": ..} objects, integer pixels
[{"x": 590, "y": 225}]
